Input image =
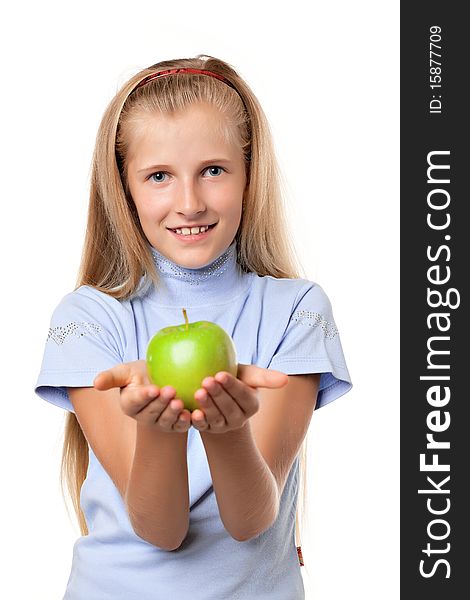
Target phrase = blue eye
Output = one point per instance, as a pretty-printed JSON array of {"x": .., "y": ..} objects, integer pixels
[
  {"x": 213, "y": 167},
  {"x": 157, "y": 173}
]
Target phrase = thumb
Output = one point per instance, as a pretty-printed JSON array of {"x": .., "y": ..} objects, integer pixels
[
  {"x": 116, "y": 377},
  {"x": 255, "y": 376}
]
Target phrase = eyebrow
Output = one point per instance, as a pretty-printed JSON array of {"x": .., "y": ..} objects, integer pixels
[{"x": 204, "y": 162}]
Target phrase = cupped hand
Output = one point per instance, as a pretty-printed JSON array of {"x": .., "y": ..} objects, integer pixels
[
  {"x": 227, "y": 402},
  {"x": 140, "y": 399}
]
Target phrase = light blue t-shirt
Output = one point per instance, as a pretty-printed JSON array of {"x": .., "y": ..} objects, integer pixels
[{"x": 282, "y": 324}]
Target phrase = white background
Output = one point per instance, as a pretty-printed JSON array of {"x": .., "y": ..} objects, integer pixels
[{"x": 326, "y": 74}]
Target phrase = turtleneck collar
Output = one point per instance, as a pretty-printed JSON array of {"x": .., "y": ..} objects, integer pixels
[{"x": 220, "y": 281}]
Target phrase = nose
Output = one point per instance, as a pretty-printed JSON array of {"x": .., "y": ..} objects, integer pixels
[{"x": 189, "y": 201}]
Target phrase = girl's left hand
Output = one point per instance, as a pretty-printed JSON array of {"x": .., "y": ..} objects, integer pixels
[{"x": 227, "y": 402}]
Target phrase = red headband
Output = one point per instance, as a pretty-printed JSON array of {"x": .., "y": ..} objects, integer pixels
[{"x": 185, "y": 70}]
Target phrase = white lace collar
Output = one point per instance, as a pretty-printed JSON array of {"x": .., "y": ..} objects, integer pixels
[{"x": 216, "y": 282}]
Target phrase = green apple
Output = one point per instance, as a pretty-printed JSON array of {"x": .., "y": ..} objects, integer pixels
[{"x": 184, "y": 355}]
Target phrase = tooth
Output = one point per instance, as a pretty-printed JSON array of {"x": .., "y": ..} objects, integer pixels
[{"x": 192, "y": 230}]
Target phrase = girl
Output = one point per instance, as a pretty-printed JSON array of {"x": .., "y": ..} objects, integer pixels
[{"x": 185, "y": 211}]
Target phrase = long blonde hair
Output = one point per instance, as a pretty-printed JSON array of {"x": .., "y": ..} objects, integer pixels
[{"x": 116, "y": 254}]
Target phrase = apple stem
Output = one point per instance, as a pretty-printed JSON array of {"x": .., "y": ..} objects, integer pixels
[{"x": 185, "y": 318}]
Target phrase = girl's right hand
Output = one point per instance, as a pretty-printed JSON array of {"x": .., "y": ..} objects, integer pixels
[{"x": 143, "y": 401}]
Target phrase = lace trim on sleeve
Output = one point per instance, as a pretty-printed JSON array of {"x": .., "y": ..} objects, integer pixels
[
  {"x": 314, "y": 319},
  {"x": 61, "y": 334}
]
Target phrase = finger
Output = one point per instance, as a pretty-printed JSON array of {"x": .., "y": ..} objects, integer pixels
[
  {"x": 159, "y": 402},
  {"x": 146, "y": 400},
  {"x": 117, "y": 377},
  {"x": 213, "y": 415},
  {"x": 245, "y": 396},
  {"x": 255, "y": 376},
  {"x": 170, "y": 415},
  {"x": 198, "y": 420},
  {"x": 231, "y": 406},
  {"x": 183, "y": 422},
  {"x": 142, "y": 401}
]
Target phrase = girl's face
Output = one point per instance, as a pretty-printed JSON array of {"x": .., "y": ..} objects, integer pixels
[{"x": 183, "y": 174}]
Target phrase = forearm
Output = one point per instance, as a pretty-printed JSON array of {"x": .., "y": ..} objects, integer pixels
[
  {"x": 245, "y": 488},
  {"x": 157, "y": 495}
]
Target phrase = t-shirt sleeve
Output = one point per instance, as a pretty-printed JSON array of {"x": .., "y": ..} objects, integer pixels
[
  {"x": 84, "y": 338},
  {"x": 311, "y": 344}
]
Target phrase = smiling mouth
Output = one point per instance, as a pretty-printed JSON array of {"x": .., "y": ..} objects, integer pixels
[{"x": 189, "y": 228}]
